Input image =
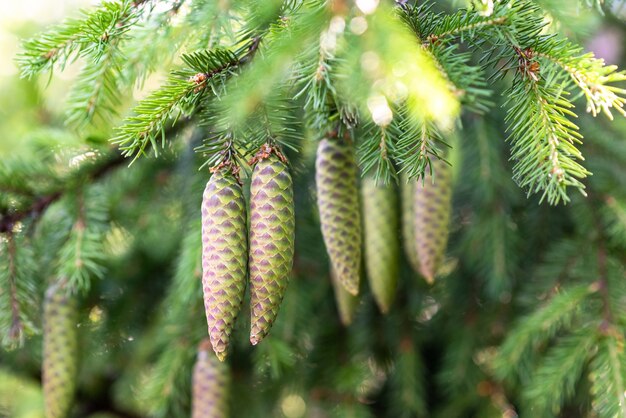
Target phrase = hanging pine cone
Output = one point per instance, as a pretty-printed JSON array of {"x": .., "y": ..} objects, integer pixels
[
  {"x": 346, "y": 302},
  {"x": 60, "y": 351},
  {"x": 432, "y": 216},
  {"x": 272, "y": 234},
  {"x": 380, "y": 217},
  {"x": 224, "y": 256},
  {"x": 337, "y": 199},
  {"x": 210, "y": 385},
  {"x": 407, "y": 188}
]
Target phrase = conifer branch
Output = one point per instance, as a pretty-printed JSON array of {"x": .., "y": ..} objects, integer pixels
[
  {"x": 608, "y": 377},
  {"x": 375, "y": 151},
  {"x": 617, "y": 370},
  {"x": 464, "y": 81},
  {"x": 8, "y": 221},
  {"x": 554, "y": 382},
  {"x": 435, "y": 28},
  {"x": 539, "y": 327},
  {"x": 90, "y": 36},
  {"x": 543, "y": 138},
  {"x": 81, "y": 256},
  {"x": 418, "y": 143},
  {"x": 17, "y": 290},
  {"x": 96, "y": 93},
  {"x": 589, "y": 74},
  {"x": 36, "y": 209},
  {"x": 205, "y": 73},
  {"x": 95, "y": 171},
  {"x": 615, "y": 219},
  {"x": 320, "y": 94},
  {"x": 470, "y": 25}
]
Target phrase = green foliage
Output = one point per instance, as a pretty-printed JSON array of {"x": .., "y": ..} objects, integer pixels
[
  {"x": 18, "y": 305},
  {"x": 544, "y": 141},
  {"x": 81, "y": 256},
  {"x": 89, "y": 36},
  {"x": 537, "y": 328},
  {"x": 407, "y": 384},
  {"x": 554, "y": 382},
  {"x": 607, "y": 378},
  {"x": 527, "y": 318},
  {"x": 204, "y": 73}
]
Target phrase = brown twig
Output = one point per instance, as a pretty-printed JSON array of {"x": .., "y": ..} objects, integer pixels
[{"x": 39, "y": 205}]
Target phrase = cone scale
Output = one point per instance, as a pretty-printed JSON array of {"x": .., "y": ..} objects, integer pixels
[
  {"x": 224, "y": 256},
  {"x": 432, "y": 208},
  {"x": 382, "y": 249},
  {"x": 337, "y": 200},
  {"x": 272, "y": 234},
  {"x": 210, "y": 385},
  {"x": 60, "y": 351}
]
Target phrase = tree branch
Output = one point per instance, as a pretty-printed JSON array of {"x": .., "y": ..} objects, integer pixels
[{"x": 107, "y": 164}]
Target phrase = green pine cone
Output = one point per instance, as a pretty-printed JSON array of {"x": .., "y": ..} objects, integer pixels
[
  {"x": 407, "y": 188},
  {"x": 272, "y": 234},
  {"x": 346, "y": 302},
  {"x": 337, "y": 199},
  {"x": 224, "y": 256},
  {"x": 60, "y": 351},
  {"x": 382, "y": 249},
  {"x": 433, "y": 206},
  {"x": 210, "y": 385}
]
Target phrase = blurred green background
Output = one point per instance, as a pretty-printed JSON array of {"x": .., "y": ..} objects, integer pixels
[{"x": 30, "y": 109}]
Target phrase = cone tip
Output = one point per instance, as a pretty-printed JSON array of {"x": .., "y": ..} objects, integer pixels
[
  {"x": 219, "y": 350},
  {"x": 221, "y": 356},
  {"x": 351, "y": 288},
  {"x": 384, "y": 309},
  {"x": 428, "y": 276}
]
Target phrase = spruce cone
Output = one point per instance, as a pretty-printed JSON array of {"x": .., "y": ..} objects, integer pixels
[
  {"x": 432, "y": 216},
  {"x": 272, "y": 234},
  {"x": 60, "y": 351},
  {"x": 224, "y": 256},
  {"x": 346, "y": 302},
  {"x": 407, "y": 188},
  {"x": 380, "y": 217},
  {"x": 210, "y": 385},
  {"x": 337, "y": 199}
]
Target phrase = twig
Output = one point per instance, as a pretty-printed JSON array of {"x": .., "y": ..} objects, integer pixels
[{"x": 39, "y": 206}]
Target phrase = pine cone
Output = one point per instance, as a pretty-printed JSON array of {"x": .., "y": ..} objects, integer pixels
[
  {"x": 337, "y": 199},
  {"x": 60, "y": 351},
  {"x": 346, "y": 302},
  {"x": 224, "y": 256},
  {"x": 380, "y": 217},
  {"x": 272, "y": 234},
  {"x": 432, "y": 208},
  {"x": 407, "y": 188},
  {"x": 210, "y": 385}
]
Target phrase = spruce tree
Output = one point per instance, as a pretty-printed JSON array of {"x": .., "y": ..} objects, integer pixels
[{"x": 474, "y": 140}]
